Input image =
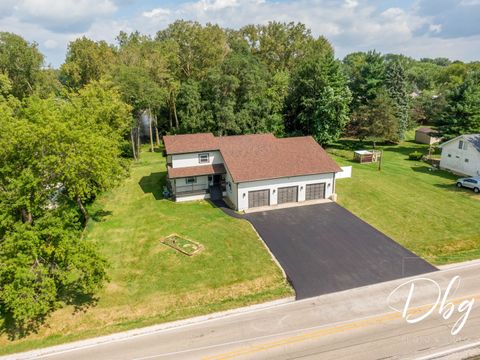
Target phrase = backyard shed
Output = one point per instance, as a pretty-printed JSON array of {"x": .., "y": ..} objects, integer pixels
[{"x": 426, "y": 135}]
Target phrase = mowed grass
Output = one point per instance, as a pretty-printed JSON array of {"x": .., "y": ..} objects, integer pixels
[
  {"x": 152, "y": 282},
  {"x": 420, "y": 209}
]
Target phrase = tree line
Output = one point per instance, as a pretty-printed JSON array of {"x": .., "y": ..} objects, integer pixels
[{"x": 68, "y": 134}]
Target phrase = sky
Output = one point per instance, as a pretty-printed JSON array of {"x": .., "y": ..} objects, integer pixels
[{"x": 417, "y": 28}]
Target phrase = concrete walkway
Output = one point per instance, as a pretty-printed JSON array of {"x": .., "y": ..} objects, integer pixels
[{"x": 287, "y": 205}]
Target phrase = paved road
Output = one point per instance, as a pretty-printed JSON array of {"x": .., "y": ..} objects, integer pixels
[
  {"x": 354, "y": 324},
  {"x": 324, "y": 248}
]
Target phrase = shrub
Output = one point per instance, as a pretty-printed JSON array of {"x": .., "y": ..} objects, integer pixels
[{"x": 416, "y": 155}]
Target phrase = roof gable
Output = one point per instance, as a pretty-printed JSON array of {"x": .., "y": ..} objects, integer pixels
[{"x": 473, "y": 139}]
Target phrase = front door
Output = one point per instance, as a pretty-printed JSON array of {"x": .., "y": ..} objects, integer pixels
[{"x": 217, "y": 179}]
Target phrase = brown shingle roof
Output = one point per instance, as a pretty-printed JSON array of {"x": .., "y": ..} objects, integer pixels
[
  {"x": 174, "y": 173},
  {"x": 179, "y": 144},
  {"x": 427, "y": 130},
  {"x": 259, "y": 156}
]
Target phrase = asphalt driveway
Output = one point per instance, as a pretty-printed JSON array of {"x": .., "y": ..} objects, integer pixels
[{"x": 324, "y": 248}]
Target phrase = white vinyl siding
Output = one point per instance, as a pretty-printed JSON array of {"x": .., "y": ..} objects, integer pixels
[
  {"x": 460, "y": 158},
  {"x": 193, "y": 159},
  {"x": 204, "y": 158}
]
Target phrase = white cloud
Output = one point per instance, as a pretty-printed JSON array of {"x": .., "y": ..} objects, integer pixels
[
  {"x": 350, "y": 4},
  {"x": 350, "y": 25},
  {"x": 157, "y": 12},
  {"x": 207, "y": 5},
  {"x": 435, "y": 28},
  {"x": 64, "y": 14}
]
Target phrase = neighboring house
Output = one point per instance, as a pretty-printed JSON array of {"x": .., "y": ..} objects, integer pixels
[
  {"x": 426, "y": 135},
  {"x": 462, "y": 155},
  {"x": 250, "y": 170}
]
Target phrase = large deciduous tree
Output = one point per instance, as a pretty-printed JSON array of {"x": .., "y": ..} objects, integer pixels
[
  {"x": 199, "y": 48},
  {"x": 44, "y": 266},
  {"x": 21, "y": 62},
  {"x": 86, "y": 61},
  {"x": 56, "y": 155},
  {"x": 319, "y": 97},
  {"x": 278, "y": 45}
]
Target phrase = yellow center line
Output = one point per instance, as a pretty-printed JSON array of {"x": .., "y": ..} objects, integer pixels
[{"x": 354, "y": 325}]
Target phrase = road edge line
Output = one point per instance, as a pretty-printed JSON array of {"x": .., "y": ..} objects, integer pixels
[{"x": 143, "y": 331}]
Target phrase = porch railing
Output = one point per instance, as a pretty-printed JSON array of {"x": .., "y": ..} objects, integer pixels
[{"x": 190, "y": 188}]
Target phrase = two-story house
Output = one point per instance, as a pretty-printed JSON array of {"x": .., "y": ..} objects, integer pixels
[
  {"x": 249, "y": 170},
  {"x": 462, "y": 155}
]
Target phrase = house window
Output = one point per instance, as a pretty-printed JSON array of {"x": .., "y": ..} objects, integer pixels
[
  {"x": 466, "y": 160},
  {"x": 204, "y": 158},
  {"x": 462, "y": 145},
  {"x": 449, "y": 155},
  {"x": 191, "y": 180}
]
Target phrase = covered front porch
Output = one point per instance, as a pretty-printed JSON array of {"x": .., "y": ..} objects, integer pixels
[{"x": 198, "y": 182}]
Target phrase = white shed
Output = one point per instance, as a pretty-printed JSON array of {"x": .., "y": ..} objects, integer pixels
[{"x": 462, "y": 155}]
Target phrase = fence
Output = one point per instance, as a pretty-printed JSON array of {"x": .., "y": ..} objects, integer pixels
[{"x": 346, "y": 173}]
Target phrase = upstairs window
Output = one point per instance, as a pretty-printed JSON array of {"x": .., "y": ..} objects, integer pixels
[
  {"x": 204, "y": 158},
  {"x": 460, "y": 144}
]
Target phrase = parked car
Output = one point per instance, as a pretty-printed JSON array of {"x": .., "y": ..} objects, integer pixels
[{"x": 471, "y": 183}]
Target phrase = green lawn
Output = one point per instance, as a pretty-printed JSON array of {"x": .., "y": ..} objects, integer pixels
[
  {"x": 420, "y": 209},
  {"x": 152, "y": 282}
]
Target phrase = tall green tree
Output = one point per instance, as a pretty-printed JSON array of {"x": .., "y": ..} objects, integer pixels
[
  {"x": 366, "y": 78},
  {"x": 377, "y": 120},
  {"x": 395, "y": 81},
  {"x": 462, "y": 112},
  {"x": 278, "y": 45},
  {"x": 318, "y": 103},
  {"x": 199, "y": 48},
  {"x": 143, "y": 94},
  {"x": 86, "y": 61},
  {"x": 21, "y": 62},
  {"x": 55, "y": 156},
  {"x": 45, "y": 266}
]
